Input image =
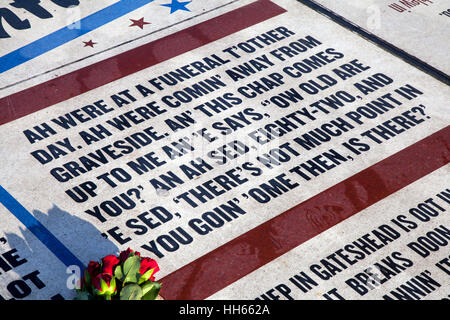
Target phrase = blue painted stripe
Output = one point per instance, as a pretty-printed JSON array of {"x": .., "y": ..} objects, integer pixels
[
  {"x": 69, "y": 33},
  {"x": 41, "y": 232}
]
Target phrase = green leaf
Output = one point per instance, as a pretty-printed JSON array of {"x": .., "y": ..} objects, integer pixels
[
  {"x": 87, "y": 280},
  {"x": 131, "y": 269},
  {"x": 147, "y": 275},
  {"x": 104, "y": 285},
  {"x": 131, "y": 292},
  {"x": 130, "y": 263},
  {"x": 118, "y": 273},
  {"x": 151, "y": 290}
]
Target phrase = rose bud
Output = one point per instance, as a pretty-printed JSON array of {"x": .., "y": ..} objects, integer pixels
[
  {"x": 109, "y": 263},
  {"x": 148, "y": 264},
  {"x": 104, "y": 284},
  {"x": 126, "y": 253},
  {"x": 92, "y": 270}
]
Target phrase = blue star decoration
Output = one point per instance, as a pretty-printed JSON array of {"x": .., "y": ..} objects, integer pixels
[{"x": 175, "y": 6}]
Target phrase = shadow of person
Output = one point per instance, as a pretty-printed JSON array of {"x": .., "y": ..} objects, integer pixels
[{"x": 79, "y": 236}]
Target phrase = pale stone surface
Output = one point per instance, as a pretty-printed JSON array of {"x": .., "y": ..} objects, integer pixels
[
  {"x": 37, "y": 190},
  {"x": 418, "y": 27},
  {"x": 32, "y": 271},
  {"x": 313, "y": 259},
  {"x": 115, "y": 37}
]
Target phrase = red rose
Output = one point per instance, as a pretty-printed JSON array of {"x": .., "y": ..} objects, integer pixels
[
  {"x": 126, "y": 253},
  {"x": 148, "y": 264},
  {"x": 109, "y": 262},
  {"x": 104, "y": 283},
  {"x": 93, "y": 269}
]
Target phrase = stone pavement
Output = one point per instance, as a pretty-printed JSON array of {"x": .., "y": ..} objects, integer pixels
[{"x": 268, "y": 149}]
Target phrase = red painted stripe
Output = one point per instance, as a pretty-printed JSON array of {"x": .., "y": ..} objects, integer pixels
[
  {"x": 75, "y": 83},
  {"x": 250, "y": 251}
]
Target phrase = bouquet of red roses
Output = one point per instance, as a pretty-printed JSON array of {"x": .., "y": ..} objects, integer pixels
[{"x": 124, "y": 277}]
